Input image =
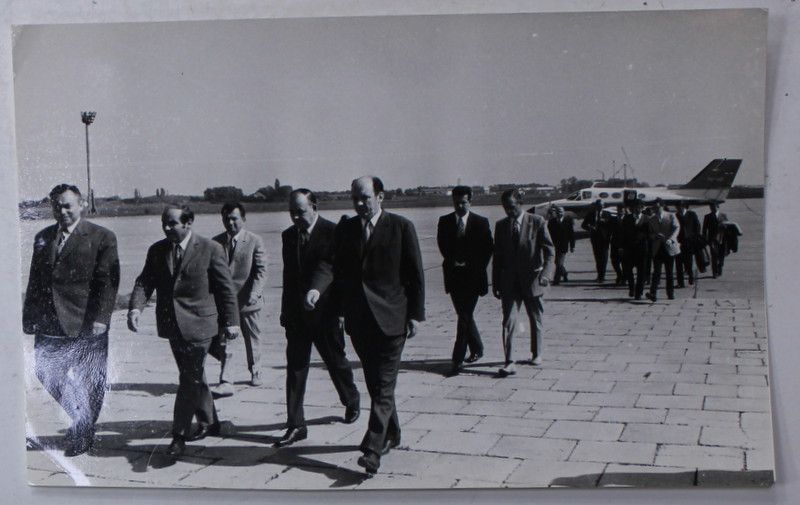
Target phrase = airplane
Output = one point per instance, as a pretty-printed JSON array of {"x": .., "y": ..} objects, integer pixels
[{"x": 710, "y": 185}]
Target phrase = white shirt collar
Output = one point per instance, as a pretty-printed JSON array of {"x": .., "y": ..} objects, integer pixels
[
  {"x": 464, "y": 217},
  {"x": 185, "y": 241},
  {"x": 373, "y": 220},
  {"x": 70, "y": 228},
  {"x": 313, "y": 224}
]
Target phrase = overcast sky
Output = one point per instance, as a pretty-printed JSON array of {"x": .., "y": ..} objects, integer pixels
[{"x": 424, "y": 100}]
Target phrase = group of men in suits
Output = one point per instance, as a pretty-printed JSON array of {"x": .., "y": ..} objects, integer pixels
[{"x": 522, "y": 266}]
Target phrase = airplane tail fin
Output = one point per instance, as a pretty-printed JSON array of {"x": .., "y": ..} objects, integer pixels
[{"x": 714, "y": 181}]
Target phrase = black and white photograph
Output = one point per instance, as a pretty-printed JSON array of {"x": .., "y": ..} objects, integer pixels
[{"x": 428, "y": 252}]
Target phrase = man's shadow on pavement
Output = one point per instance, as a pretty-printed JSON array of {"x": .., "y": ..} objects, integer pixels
[
  {"x": 121, "y": 441},
  {"x": 444, "y": 366}
]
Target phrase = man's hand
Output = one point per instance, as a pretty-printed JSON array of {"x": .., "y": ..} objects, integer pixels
[
  {"x": 496, "y": 293},
  {"x": 544, "y": 281},
  {"x": 231, "y": 332},
  {"x": 133, "y": 320},
  {"x": 254, "y": 298},
  {"x": 311, "y": 299},
  {"x": 98, "y": 329},
  {"x": 28, "y": 328},
  {"x": 411, "y": 328}
]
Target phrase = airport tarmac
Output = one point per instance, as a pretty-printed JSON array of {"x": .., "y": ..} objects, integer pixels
[{"x": 630, "y": 393}]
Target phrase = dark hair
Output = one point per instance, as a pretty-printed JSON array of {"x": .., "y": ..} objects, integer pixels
[
  {"x": 312, "y": 198},
  {"x": 659, "y": 202},
  {"x": 63, "y": 188},
  {"x": 460, "y": 191},
  {"x": 377, "y": 184},
  {"x": 186, "y": 213},
  {"x": 508, "y": 194},
  {"x": 231, "y": 206}
]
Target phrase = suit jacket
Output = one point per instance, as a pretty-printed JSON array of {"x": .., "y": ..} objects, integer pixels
[
  {"x": 662, "y": 229},
  {"x": 562, "y": 234},
  {"x": 526, "y": 263},
  {"x": 314, "y": 265},
  {"x": 635, "y": 235},
  {"x": 475, "y": 250},
  {"x": 248, "y": 268},
  {"x": 188, "y": 301},
  {"x": 385, "y": 277},
  {"x": 712, "y": 232},
  {"x": 599, "y": 227},
  {"x": 690, "y": 232},
  {"x": 70, "y": 291}
]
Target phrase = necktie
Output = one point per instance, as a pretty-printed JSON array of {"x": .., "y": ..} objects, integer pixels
[
  {"x": 515, "y": 233},
  {"x": 302, "y": 241},
  {"x": 62, "y": 239},
  {"x": 368, "y": 229},
  {"x": 177, "y": 256},
  {"x": 231, "y": 249},
  {"x": 461, "y": 230}
]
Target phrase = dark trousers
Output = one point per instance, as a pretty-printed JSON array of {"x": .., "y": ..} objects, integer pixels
[
  {"x": 600, "y": 250},
  {"x": 561, "y": 269},
  {"x": 662, "y": 258},
  {"x": 717, "y": 257},
  {"x": 631, "y": 261},
  {"x": 73, "y": 371},
  {"x": 194, "y": 397},
  {"x": 467, "y": 334},
  {"x": 380, "y": 359},
  {"x": 683, "y": 262},
  {"x": 329, "y": 341},
  {"x": 616, "y": 262}
]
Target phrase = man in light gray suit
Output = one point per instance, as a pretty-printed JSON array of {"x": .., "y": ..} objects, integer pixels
[
  {"x": 247, "y": 259},
  {"x": 521, "y": 270}
]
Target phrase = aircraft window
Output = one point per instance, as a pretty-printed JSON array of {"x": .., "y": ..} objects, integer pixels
[
  {"x": 616, "y": 195},
  {"x": 641, "y": 196},
  {"x": 603, "y": 195},
  {"x": 586, "y": 195},
  {"x": 574, "y": 196}
]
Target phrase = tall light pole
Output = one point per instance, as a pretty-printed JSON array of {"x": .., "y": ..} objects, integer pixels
[{"x": 88, "y": 118}]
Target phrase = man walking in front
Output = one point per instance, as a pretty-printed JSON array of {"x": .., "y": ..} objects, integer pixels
[
  {"x": 664, "y": 228},
  {"x": 247, "y": 260},
  {"x": 381, "y": 288},
  {"x": 195, "y": 300},
  {"x": 71, "y": 292},
  {"x": 465, "y": 242},
  {"x": 308, "y": 316},
  {"x": 521, "y": 270}
]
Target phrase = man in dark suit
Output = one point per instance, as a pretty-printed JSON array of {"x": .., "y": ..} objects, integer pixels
[
  {"x": 715, "y": 238},
  {"x": 562, "y": 233},
  {"x": 465, "y": 242},
  {"x": 598, "y": 225},
  {"x": 664, "y": 228},
  {"x": 381, "y": 287},
  {"x": 308, "y": 316},
  {"x": 71, "y": 292},
  {"x": 635, "y": 241},
  {"x": 195, "y": 300},
  {"x": 689, "y": 238},
  {"x": 521, "y": 270},
  {"x": 247, "y": 260}
]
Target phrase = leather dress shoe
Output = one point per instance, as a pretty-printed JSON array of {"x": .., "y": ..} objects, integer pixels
[
  {"x": 224, "y": 390},
  {"x": 473, "y": 357},
  {"x": 370, "y": 462},
  {"x": 292, "y": 435},
  {"x": 455, "y": 370},
  {"x": 203, "y": 431},
  {"x": 652, "y": 297},
  {"x": 389, "y": 444},
  {"x": 79, "y": 445},
  {"x": 507, "y": 370},
  {"x": 255, "y": 379},
  {"x": 176, "y": 447},
  {"x": 351, "y": 414}
]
